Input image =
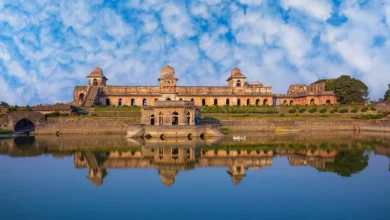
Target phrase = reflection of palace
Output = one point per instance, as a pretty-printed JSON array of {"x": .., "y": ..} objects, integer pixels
[{"x": 170, "y": 161}]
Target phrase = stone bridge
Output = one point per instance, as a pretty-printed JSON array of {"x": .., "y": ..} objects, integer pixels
[{"x": 22, "y": 121}]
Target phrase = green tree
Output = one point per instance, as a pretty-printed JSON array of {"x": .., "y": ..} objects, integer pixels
[
  {"x": 347, "y": 89},
  {"x": 347, "y": 163},
  {"x": 4, "y": 104},
  {"x": 387, "y": 94}
]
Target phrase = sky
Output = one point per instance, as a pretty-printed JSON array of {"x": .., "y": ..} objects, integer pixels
[{"x": 47, "y": 47}]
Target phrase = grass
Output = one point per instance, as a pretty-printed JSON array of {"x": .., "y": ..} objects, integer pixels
[
  {"x": 119, "y": 108},
  {"x": 226, "y": 131},
  {"x": 6, "y": 132},
  {"x": 238, "y": 109},
  {"x": 372, "y": 116}
]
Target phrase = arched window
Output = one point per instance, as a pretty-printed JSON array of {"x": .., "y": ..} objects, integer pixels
[
  {"x": 257, "y": 102},
  {"x": 132, "y": 103},
  {"x": 81, "y": 97},
  {"x": 144, "y": 102},
  {"x": 285, "y": 102},
  {"x": 227, "y": 102},
  {"x": 152, "y": 120},
  {"x": 312, "y": 102},
  {"x": 248, "y": 102},
  {"x": 238, "y": 102},
  {"x": 188, "y": 118},
  {"x": 203, "y": 102},
  {"x": 95, "y": 82},
  {"x": 215, "y": 101},
  {"x": 155, "y": 100},
  {"x": 108, "y": 102},
  {"x": 238, "y": 84},
  {"x": 160, "y": 118},
  {"x": 168, "y": 99},
  {"x": 293, "y": 91},
  {"x": 180, "y": 99},
  {"x": 291, "y": 102},
  {"x": 175, "y": 118},
  {"x": 265, "y": 102},
  {"x": 328, "y": 102},
  {"x": 120, "y": 102}
]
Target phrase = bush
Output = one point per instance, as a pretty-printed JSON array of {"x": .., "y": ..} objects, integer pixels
[
  {"x": 292, "y": 111},
  {"x": 333, "y": 111},
  {"x": 53, "y": 114},
  {"x": 312, "y": 110},
  {"x": 282, "y": 115},
  {"x": 371, "y": 116},
  {"x": 344, "y": 110},
  {"x": 386, "y": 113},
  {"x": 364, "y": 109},
  {"x": 6, "y": 132},
  {"x": 373, "y": 108},
  {"x": 302, "y": 110},
  {"x": 355, "y": 110},
  {"x": 323, "y": 110}
]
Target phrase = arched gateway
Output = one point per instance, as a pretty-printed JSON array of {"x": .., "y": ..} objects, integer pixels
[{"x": 23, "y": 122}]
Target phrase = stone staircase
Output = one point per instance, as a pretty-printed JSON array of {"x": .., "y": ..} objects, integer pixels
[{"x": 91, "y": 96}]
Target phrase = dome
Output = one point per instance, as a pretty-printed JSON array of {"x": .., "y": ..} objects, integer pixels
[
  {"x": 167, "y": 72},
  {"x": 236, "y": 72},
  {"x": 96, "y": 72}
]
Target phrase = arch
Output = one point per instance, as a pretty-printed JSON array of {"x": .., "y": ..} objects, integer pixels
[
  {"x": 265, "y": 102},
  {"x": 180, "y": 99},
  {"x": 108, "y": 101},
  {"x": 227, "y": 102},
  {"x": 291, "y": 102},
  {"x": 132, "y": 102},
  {"x": 238, "y": 102},
  {"x": 248, "y": 102},
  {"x": 188, "y": 118},
  {"x": 160, "y": 118},
  {"x": 120, "y": 102},
  {"x": 257, "y": 102},
  {"x": 152, "y": 120},
  {"x": 215, "y": 101},
  {"x": 95, "y": 82},
  {"x": 203, "y": 102},
  {"x": 312, "y": 102},
  {"x": 175, "y": 118},
  {"x": 168, "y": 99},
  {"x": 24, "y": 126},
  {"x": 328, "y": 102},
  {"x": 81, "y": 97},
  {"x": 155, "y": 100},
  {"x": 238, "y": 83},
  {"x": 144, "y": 102},
  {"x": 285, "y": 102}
]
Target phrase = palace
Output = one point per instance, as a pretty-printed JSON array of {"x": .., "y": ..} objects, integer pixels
[{"x": 237, "y": 92}]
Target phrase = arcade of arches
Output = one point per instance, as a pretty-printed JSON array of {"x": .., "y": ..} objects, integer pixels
[{"x": 237, "y": 92}]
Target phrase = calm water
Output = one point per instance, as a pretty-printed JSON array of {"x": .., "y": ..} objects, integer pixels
[{"x": 309, "y": 176}]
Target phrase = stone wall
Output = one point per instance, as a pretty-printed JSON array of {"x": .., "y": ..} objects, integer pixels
[
  {"x": 88, "y": 125},
  {"x": 265, "y": 125}
]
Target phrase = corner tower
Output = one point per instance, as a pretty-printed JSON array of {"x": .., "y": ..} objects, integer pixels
[
  {"x": 236, "y": 79},
  {"x": 168, "y": 83},
  {"x": 96, "y": 78}
]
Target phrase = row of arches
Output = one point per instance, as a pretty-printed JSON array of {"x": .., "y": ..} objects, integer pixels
[
  {"x": 132, "y": 102},
  {"x": 159, "y": 120},
  {"x": 248, "y": 102},
  {"x": 311, "y": 102}
]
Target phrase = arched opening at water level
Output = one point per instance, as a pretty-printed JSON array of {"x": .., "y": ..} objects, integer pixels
[{"x": 24, "y": 126}]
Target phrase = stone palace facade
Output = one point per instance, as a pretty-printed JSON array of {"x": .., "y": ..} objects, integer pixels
[{"x": 237, "y": 92}]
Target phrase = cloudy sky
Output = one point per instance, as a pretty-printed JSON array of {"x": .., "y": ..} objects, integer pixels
[{"x": 47, "y": 47}]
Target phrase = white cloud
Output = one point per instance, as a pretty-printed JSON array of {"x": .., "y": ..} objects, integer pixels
[{"x": 320, "y": 9}]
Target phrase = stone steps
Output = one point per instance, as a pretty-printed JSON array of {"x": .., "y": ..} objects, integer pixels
[{"x": 89, "y": 101}]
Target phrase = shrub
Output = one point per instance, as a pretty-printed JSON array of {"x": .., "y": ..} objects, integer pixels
[
  {"x": 53, "y": 114},
  {"x": 312, "y": 110},
  {"x": 386, "y": 113},
  {"x": 373, "y": 108},
  {"x": 344, "y": 110},
  {"x": 323, "y": 110},
  {"x": 6, "y": 132},
  {"x": 371, "y": 116},
  {"x": 302, "y": 110},
  {"x": 292, "y": 111},
  {"x": 355, "y": 110},
  {"x": 364, "y": 109},
  {"x": 282, "y": 115}
]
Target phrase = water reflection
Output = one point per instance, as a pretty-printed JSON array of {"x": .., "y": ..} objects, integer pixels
[{"x": 344, "y": 154}]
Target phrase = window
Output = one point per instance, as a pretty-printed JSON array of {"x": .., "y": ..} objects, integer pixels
[
  {"x": 257, "y": 102},
  {"x": 152, "y": 120},
  {"x": 175, "y": 118},
  {"x": 227, "y": 102},
  {"x": 160, "y": 118},
  {"x": 132, "y": 102},
  {"x": 238, "y": 84},
  {"x": 120, "y": 102},
  {"x": 312, "y": 102},
  {"x": 238, "y": 102},
  {"x": 95, "y": 82},
  {"x": 291, "y": 102},
  {"x": 248, "y": 102},
  {"x": 215, "y": 101},
  {"x": 144, "y": 102},
  {"x": 265, "y": 102},
  {"x": 108, "y": 102},
  {"x": 188, "y": 118},
  {"x": 81, "y": 97},
  {"x": 203, "y": 102}
]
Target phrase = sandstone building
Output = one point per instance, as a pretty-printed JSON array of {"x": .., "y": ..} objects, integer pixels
[{"x": 237, "y": 92}]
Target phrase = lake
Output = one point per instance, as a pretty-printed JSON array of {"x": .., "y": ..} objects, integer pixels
[{"x": 339, "y": 175}]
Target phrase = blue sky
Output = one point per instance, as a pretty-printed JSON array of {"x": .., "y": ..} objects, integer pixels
[{"x": 47, "y": 47}]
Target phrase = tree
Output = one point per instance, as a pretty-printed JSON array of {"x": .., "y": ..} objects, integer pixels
[
  {"x": 4, "y": 104},
  {"x": 387, "y": 94},
  {"x": 347, "y": 89},
  {"x": 347, "y": 163}
]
